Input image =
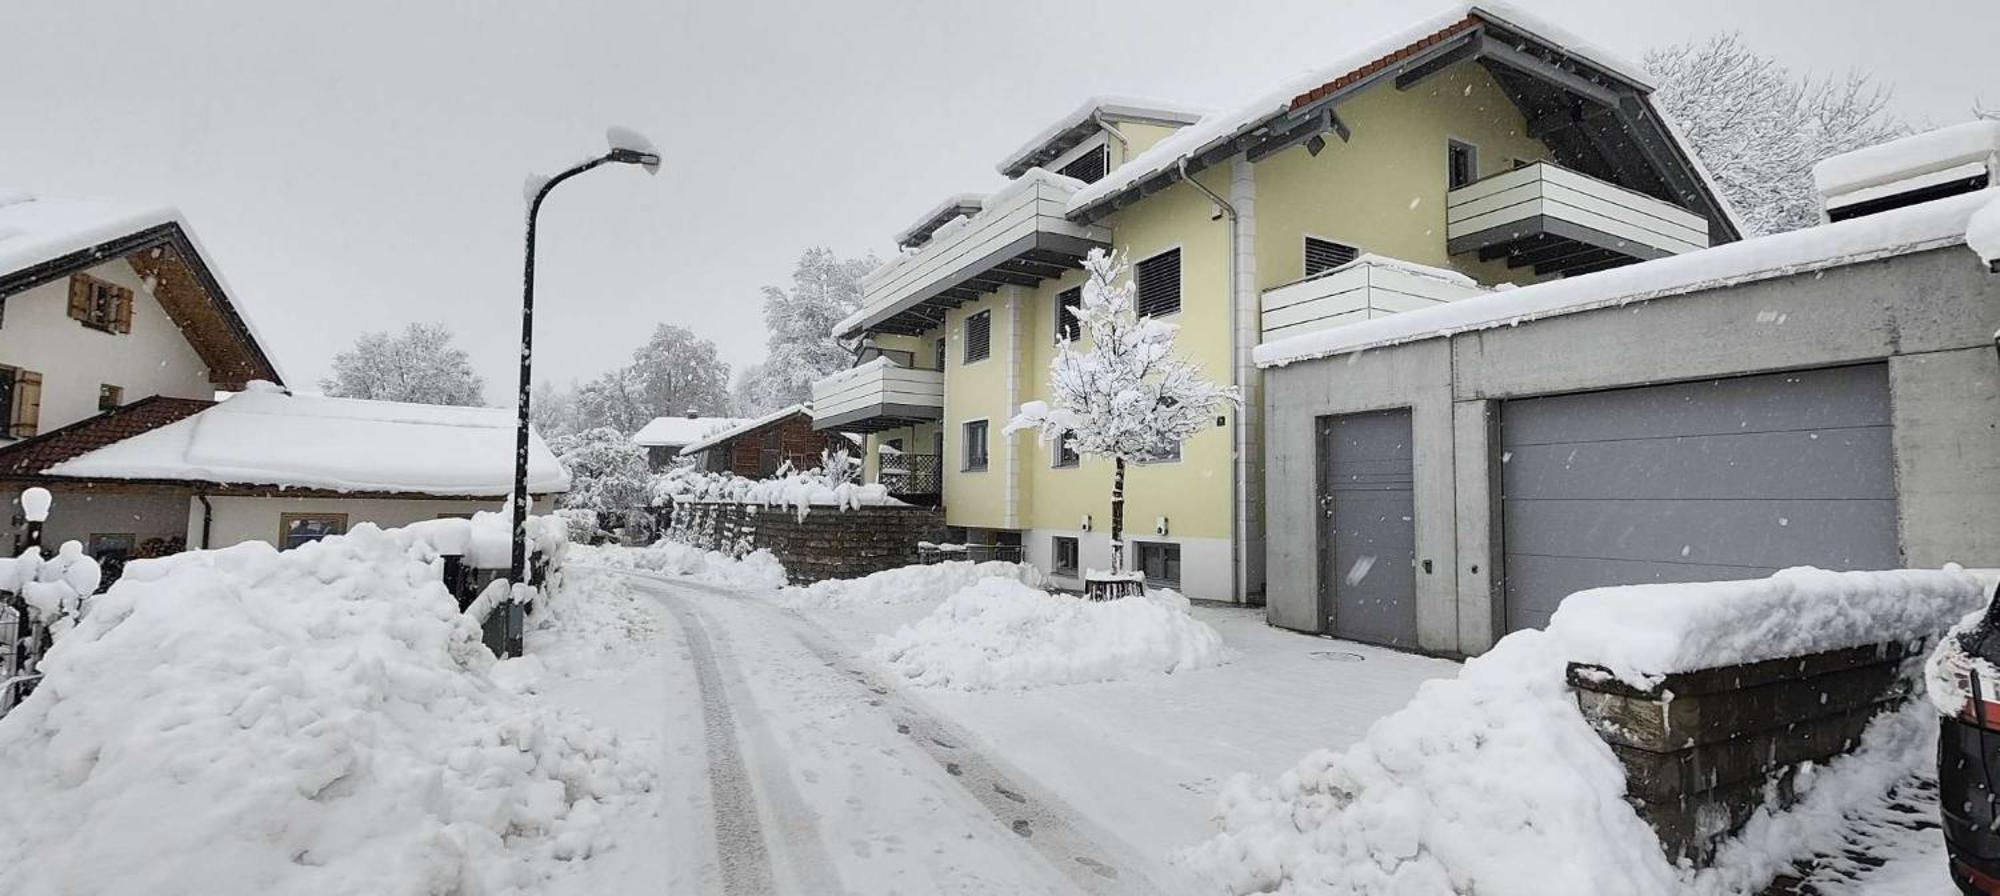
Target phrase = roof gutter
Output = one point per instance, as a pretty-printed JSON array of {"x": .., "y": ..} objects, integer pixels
[{"x": 1238, "y": 479}]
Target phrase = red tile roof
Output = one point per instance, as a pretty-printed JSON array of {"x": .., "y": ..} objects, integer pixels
[
  {"x": 29, "y": 457},
  {"x": 1371, "y": 68}
]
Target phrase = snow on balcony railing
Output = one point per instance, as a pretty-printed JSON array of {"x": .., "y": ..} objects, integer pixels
[
  {"x": 879, "y": 387},
  {"x": 1497, "y": 209},
  {"x": 1363, "y": 289}
]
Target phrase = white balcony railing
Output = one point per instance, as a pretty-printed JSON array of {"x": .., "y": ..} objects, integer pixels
[
  {"x": 877, "y": 395},
  {"x": 1533, "y": 213},
  {"x": 1368, "y": 287},
  {"x": 1020, "y": 236}
]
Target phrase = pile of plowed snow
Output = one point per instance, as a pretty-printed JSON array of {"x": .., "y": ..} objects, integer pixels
[
  {"x": 755, "y": 570},
  {"x": 1000, "y": 634},
  {"x": 320, "y": 720},
  {"x": 904, "y": 585}
]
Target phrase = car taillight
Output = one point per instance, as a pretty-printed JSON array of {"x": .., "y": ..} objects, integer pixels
[{"x": 1980, "y": 882}]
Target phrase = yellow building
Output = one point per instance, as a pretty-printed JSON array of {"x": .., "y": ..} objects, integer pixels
[{"x": 1471, "y": 151}]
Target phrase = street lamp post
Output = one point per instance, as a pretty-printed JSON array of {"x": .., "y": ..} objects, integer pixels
[{"x": 626, "y": 148}]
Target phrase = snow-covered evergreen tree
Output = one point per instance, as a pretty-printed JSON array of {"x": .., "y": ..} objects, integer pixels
[
  {"x": 1127, "y": 396},
  {"x": 825, "y": 290},
  {"x": 418, "y": 365},
  {"x": 1759, "y": 128}
]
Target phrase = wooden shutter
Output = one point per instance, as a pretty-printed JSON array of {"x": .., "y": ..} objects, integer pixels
[
  {"x": 121, "y": 319},
  {"x": 1159, "y": 280},
  {"x": 1325, "y": 255},
  {"x": 27, "y": 410},
  {"x": 79, "y": 296},
  {"x": 1067, "y": 326},
  {"x": 978, "y": 336}
]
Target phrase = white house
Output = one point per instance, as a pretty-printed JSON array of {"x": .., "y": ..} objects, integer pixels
[{"x": 116, "y": 334}]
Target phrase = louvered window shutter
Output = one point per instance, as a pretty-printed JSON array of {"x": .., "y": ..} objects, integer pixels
[
  {"x": 1325, "y": 255},
  {"x": 1089, "y": 167},
  {"x": 978, "y": 336},
  {"x": 27, "y": 410},
  {"x": 1159, "y": 280},
  {"x": 1067, "y": 302},
  {"x": 79, "y": 297}
]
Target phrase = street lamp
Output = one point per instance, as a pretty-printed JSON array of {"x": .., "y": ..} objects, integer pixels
[{"x": 628, "y": 148}]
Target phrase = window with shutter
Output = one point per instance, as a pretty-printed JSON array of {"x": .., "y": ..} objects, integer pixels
[
  {"x": 1461, "y": 164},
  {"x": 99, "y": 304},
  {"x": 1325, "y": 255},
  {"x": 978, "y": 336},
  {"x": 1089, "y": 167},
  {"x": 1159, "y": 282},
  {"x": 25, "y": 414},
  {"x": 1068, "y": 328}
]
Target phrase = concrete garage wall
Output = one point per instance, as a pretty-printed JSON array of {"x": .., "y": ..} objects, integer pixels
[{"x": 1930, "y": 315}]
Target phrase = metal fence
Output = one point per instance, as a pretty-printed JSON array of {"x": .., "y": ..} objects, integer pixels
[
  {"x": 977, "y": 553},
  {"x": 912, "y": 474}
]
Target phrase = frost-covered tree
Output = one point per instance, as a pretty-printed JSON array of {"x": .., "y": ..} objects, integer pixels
[
  {"x": 1759, "y": 128},
  {"x": 552, "y": 409},
  {"x": 1127, "y": 396},
  {"x": 612, "y": 400},
  {"x": 418, "y": 365},
  {"x": 677, "y": 372},
  {"x": 608, "y": 472},
  {"x": 825, "y": 290}
]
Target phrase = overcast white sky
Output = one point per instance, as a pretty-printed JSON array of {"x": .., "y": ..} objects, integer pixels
[{"x": 357, "y": 164}]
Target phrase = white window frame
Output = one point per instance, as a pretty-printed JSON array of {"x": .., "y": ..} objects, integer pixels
[
  {"x": 965, "y": 450},
  {"x": 1449, "y": 142}
]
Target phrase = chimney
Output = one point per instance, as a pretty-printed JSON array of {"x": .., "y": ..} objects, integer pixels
[{"x": 1950, "y": 161}]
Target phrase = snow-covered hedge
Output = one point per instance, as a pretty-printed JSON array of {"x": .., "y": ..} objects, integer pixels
[
  {"x": 1000, "y": 634},
  {"x": 320, "y": 720},
  {"x": 831, "y": 484},
  {"x": 904, "y": 585}
]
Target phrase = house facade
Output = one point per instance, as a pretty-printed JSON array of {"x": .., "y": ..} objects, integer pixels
[
  {"x": 1473, "y": 150},
  {"x": 757, "y": 448},
  {"x": 116, "y": 337},
  {"x": 664, "y": 438},
  {"x": 1826, "y": 397}
]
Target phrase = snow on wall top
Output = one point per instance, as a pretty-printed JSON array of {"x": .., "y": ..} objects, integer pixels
[
  {"x": 1931, "y": 151},
  {"x": 1110, "y": 106},
  {"x": 668, "y": 431},
  {"x": 1213, "y": 130},
  {"x": 711, "y": 439},
  {"x": 262, "y": 437},
  {"x": 1916, "y": 228},
  {"x": 1641, "y": 632},
  {"x": 1982, "y": 233}
]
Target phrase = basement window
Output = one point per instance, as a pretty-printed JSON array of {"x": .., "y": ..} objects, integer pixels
[
  {"x": 1160, "y": 562},
  {"x": 1461, "y": 164},
  {"x": 978, "y": 337},
  {"x": 1325, "y": 255},
  {"x": 1064, "y": 555},
  {"x": 1159, "y": 281}
]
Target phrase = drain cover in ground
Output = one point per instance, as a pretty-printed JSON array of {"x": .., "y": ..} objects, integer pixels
[{"x": 1338, "y": 656}]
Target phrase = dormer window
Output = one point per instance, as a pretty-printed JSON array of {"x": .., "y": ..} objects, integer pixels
[
  {"x": 100, "y": 304},
  {"x": 1089, "y": 167}
]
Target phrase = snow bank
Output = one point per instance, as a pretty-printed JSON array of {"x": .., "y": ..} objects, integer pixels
[
  {"x": 1642, "y": 632},
  {"x": 905, "y": 585},
  {"x": 999, "y": 633},
  {"x": 1490, "y": 783},
  {"x": 321, "y": 720},
  {"x": 1982, "y": 233},
  {"x": 758, "y": 570}
]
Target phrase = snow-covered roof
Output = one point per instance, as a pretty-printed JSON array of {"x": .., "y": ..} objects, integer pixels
[
  {"x": 712, "y": 438},
  {"x": 1913, "y": 156},
  {"x": 670, "y": 431},
  {"x": 35, "y": 230},
  {"x": 1214, "y": 130},
  {"x": 1108, "y": 107},
  {"x": 1930, "y": 225},
  {"x": 266, "y": 437}
]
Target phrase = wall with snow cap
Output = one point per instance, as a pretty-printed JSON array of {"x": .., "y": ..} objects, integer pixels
[{"x": 241, "y": 519}]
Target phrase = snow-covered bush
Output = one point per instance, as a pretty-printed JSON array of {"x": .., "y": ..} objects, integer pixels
[
  {"x": 1128, "y": 397},
  {"x": 318, "y": 720},
  {"x": 53, "y": 588},
  {"x": 905, "y": 584},
  {"x": 834, "y": 483},
  {"x": 608, "y": 471},
  {"x": 1000, "y": 634}
]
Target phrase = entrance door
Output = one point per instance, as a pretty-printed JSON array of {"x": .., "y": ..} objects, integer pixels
[{"x": 1368, "y": 582}]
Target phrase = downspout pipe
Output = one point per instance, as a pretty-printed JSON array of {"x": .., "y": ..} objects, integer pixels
[
  {"x": 1237, "y": 479},
  {"x": 207, "y": 518},
  {"x": 1104, "y": 123}
]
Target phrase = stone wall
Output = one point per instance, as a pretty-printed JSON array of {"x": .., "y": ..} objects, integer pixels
[
  {"x": 1701, "y": 748},
  {"x": 828, "y": 544}
]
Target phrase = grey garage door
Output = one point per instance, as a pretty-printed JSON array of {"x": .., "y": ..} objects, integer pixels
[
  {"x": 1367, "y": 528},
  {"x": 1721, "y": 479}
]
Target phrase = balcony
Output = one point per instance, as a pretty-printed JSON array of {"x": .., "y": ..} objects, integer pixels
[
  {"x": 1019, "y": 238},
  {"x": 878, "y": 395},
  {"x": 1563, "y": 222},
  {"x": 1368, "y": 287}
]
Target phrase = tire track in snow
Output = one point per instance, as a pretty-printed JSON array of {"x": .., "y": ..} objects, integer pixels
[{"x": 1042, "y": 820}]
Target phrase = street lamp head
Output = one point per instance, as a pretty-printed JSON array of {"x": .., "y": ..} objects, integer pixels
[{"x": 647, "y": 160}]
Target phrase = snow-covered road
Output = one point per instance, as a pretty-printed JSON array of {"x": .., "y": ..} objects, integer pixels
[{"x": 820, "y": 778}]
